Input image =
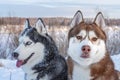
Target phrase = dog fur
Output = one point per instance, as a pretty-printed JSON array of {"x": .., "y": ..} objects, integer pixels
[
  {"x": 38, "y": 55},
  {"x": 96, "y": 64}
]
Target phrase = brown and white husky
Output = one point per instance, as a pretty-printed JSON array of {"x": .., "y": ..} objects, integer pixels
[{"x": 88, "y": 56}]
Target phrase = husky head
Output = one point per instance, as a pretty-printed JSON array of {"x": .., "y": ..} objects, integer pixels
[
  {"x": 86, "y": 40},
  {"x": 31, "y": 44}
]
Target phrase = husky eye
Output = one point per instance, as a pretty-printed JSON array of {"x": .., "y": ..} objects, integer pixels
[
  {"x": 28, "y": 43},
  {"x": 79, "y": 37},
  {"x": 94, "y": 39}
]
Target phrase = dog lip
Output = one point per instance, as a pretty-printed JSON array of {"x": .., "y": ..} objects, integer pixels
[
  {"x": 26, "y": 60},
  {"x": 85, "y": 55}
]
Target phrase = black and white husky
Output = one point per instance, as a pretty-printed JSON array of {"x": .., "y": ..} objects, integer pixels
[{"x": 38, "y": 54}]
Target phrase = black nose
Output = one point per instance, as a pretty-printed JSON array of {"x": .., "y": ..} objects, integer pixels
[{"x": 15, "y": 54}]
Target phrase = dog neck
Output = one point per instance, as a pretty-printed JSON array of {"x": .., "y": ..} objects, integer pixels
[{"x": 81, "y": 73}]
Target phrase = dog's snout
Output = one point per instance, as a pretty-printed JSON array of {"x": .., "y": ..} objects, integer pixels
[
  {"x": 15, "y": 54},
  {"x": 86, "y": 49}
]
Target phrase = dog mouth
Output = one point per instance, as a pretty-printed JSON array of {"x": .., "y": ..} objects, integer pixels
[
  {"x": 22, "y": 62},
  {"x": 85, "y": 55}
]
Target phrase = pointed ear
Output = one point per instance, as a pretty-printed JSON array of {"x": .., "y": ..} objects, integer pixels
[
  {"x": 78, "y": 17},
  {"x": 26, "y": 27},
  {"x": 27, "y": 24},
  {"x": 40, "y": 26},
  {"x": 99, "y": 20}
]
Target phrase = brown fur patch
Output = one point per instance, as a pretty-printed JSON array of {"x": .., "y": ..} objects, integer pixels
[
  {"x": 104, "y": 69},
  {"x": 88, "y": 27},
  {"x": 118, "y": 73},
  {"x": 70, "y": 67}
]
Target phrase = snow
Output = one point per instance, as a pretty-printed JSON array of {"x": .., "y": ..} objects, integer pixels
[
  {"x": 116, "y": 59},
  {"x": 10, "y": 72}
]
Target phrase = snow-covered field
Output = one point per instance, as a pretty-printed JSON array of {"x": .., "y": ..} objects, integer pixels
[{"x": 10, "y": 72}]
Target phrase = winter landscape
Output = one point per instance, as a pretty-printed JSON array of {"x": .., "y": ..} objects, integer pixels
[
  {"x": 57, "y": 25},
  {"x": 9, "y": 41}
]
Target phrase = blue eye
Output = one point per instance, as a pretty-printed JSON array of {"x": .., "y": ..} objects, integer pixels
[{"x": 28, "y": 43}]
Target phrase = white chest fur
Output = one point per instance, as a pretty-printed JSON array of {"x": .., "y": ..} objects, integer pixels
[{"x": 80, "y": 73}]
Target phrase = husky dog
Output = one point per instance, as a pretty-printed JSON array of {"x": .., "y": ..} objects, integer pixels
[
  {"x": 38, "y": 54},
  {"x": 88, "y": 56}
]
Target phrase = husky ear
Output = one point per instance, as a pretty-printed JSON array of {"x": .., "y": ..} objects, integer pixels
[
  {"x": 27, "y": 24},
  {"x": 40, "y": 26},
  {"x": 78, "y": 17},
  {"x": 99, "y": 20},
  {"x": 26, "y": 27}
]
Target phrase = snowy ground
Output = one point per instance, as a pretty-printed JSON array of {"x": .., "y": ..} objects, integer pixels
[{"x": 11, "y": 72}]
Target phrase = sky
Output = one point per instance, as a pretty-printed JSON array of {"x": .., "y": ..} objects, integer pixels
[{"x": 58, "y": 8}]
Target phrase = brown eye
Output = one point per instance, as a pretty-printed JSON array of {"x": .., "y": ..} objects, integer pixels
[
  {"x": 79, "y": 37},
  {"x": 94, "y": 39}
]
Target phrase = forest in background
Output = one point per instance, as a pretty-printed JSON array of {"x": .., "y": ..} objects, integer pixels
[
  {"x": 58, "y": 27},
  {"x": 49, "y": 21}
]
